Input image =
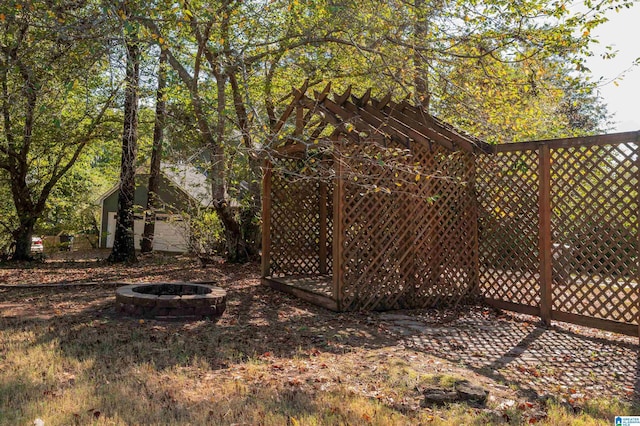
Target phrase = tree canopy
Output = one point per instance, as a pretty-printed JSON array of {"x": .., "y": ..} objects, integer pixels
[{"x": 501, "y": 70}]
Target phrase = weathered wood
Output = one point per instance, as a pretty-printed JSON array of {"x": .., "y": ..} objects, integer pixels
[
  {"x": 299, "y": 121},
  {"x": 433, "y": 230},
  {"x": 514, "y": 307},
  {"x": 383, "y": 102},
  {"x": 434, "y": 128},
  {"x": 315, "y": 298},
  {"x": 577, "y": 142},
  {"x": 602, "y": 324},
  {"x": 297, "y": 95},
  {"x": 340, "y": 99},
  {"x": 338, "y": 231},
  {"x": 266, "y": 220},
  {"x": 544, "y": 233},
  {"x": 321, "y": 96}
]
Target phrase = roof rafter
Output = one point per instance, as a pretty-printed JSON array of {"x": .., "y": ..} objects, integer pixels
[{"x": 366, "y": 118}]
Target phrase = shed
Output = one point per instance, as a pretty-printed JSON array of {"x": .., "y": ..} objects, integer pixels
[
  {"x": 182, "y": 187},
  {"x": 369, "y": 204}
]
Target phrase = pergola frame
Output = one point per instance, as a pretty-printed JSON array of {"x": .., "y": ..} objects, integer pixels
[{"x": 359, "y": 121}]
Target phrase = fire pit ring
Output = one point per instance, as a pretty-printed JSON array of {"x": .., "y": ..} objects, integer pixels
[{"x": 171, "y": 300}]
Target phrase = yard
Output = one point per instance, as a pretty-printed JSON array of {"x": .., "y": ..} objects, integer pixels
[{"x": 67, "y": 357}]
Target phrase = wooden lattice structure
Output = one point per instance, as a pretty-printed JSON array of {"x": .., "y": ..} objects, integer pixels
[
  {"x": 548, "y": 228},
  {"x": 558, "y": 229},
  {"x": 370, "y": 204}
]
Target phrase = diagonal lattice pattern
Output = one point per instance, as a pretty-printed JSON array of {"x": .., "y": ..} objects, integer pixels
[
  {"x": 408, "y": 239},
  {"x": 595, "y": 231},
  {"x": 507, "y": 190},
  {"x": 295, "y": 221}
]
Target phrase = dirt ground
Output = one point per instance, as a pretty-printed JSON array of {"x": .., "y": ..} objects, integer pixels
[{"x": 512, "y": 356}]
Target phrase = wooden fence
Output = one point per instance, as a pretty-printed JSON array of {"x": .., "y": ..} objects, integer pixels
[{"x": 558, "y": 230}]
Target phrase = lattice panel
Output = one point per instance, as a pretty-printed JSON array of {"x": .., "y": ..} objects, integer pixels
[
  {"x": 408, "y": 240},
  {"x": 595, "y": 231},
  {"x": 507, "y": 190},
  {"x": 295, "y": 220}
]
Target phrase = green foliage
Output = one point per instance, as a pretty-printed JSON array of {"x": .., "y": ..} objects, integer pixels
[{"x": 207, "y": 233}]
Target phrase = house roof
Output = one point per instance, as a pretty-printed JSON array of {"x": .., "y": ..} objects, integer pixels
[{"x": 185, "y": 177}]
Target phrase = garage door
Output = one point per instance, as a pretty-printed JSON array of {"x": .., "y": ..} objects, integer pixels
[{"x": 171, "y": 233}]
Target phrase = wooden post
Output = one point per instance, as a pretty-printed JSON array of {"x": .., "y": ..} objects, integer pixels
[
  {"x": 338, "y": 230},
  {"x": 323, "y": 228},
  {"x": 637, "y": 200},
  {"x": 475, "y": 233},
  {"x": 544, "y": 233},
  {"x": 299, "y": 121},
  {"x": 266, "y": 220}
]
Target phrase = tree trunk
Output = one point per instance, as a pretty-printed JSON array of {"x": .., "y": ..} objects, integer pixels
[
  {"x": 123, "y": 243},
  {"x": 22, "y": 238},
  {"x": 146, "y": 244},
  {"x": 421, "y": 65}
]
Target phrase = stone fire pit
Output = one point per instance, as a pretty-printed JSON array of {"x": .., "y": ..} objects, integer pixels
[{"x": 172, "y": 300}]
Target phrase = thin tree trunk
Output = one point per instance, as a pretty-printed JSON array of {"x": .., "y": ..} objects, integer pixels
[
  {"x": 421, "y": 79},
  {"x": 146, "y": 244},
  {"x": 123, "y": 243}
]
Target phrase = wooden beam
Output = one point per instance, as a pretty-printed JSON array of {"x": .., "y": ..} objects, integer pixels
[
  {"x": 309, "y": 296},
  {"x": 320, "y": 96},
  {"x": 408, "y": 127},
  {"x": 338, "y": 232},
  {"x": 266, "y": 219},
  {"x": 440, "y": 130},
  {"x": 383, "y": 102},
  {"x": 299, "y": 121},
  {"x": 340, "y": 99},
  {"x": 514, "y": 307},
  {"x": 297, "y": 95},
  {"x": 318, "y": 131},
  {"x": 602, "y": 324},
  {"x": 328, "y": 116},
  {"x": 293, "y": 148},
  {"x": 544, "y": 233},
  {"x": 363, "y": 100},
  {"x": 338, "y": 116},
  {"x": 584, "y": 141},
  {"x": 430, "y": 134}
]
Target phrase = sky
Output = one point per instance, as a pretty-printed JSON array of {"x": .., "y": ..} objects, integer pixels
[{"x": 622, "y": 31}]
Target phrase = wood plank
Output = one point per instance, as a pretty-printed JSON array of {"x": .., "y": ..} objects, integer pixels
[
  {"x": 266, "y": 219},
  {"x": 514, "y": 307},
  {"x": 299, "y": 121},
  {"x": 438, "y": 127},
  {"x": 339, "y": 99},
  {"x": 338, "y": 231},
  {"x": 311, "y": 297},
  {"x": 475, "y": 232},
  {"x": 602, "y": 324},
  {"x": 584, "y": 141},
  {"x": 406, "y": 116},
  {"x": 544, "y": 233},
  {"x": 298, "y": 94},
  {"x": 383, "y": 102},
  {"x": 331, "y": 118}
]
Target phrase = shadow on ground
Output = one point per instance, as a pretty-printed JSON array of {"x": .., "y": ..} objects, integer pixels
[{"x": 558, "y": 360}]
